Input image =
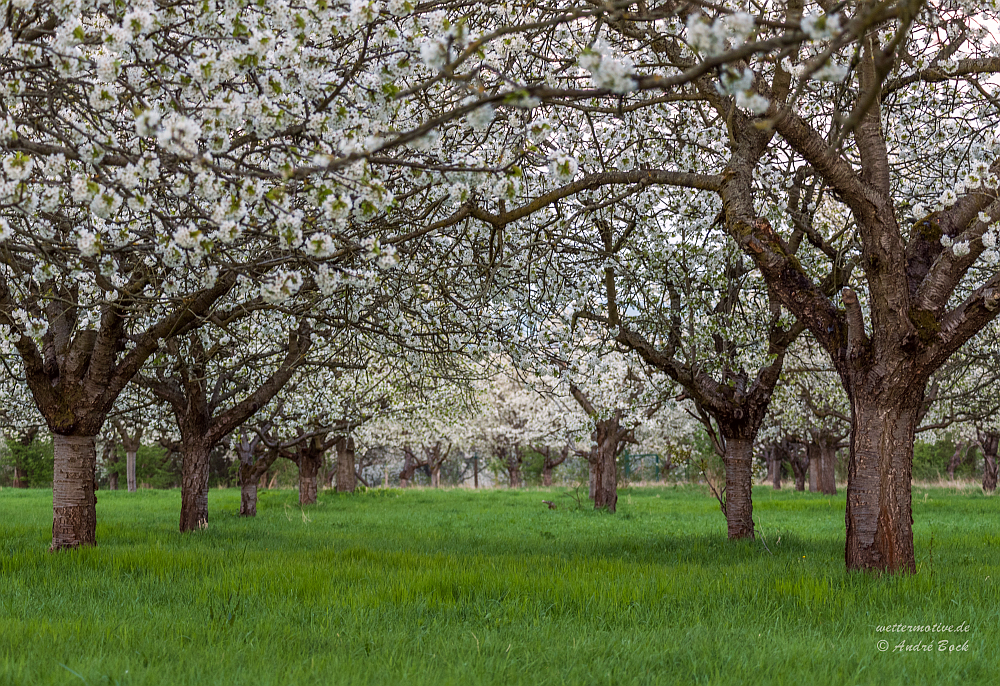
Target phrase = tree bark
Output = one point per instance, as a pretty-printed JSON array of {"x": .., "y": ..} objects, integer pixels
[
  {"x": 812, "y": 451},
  {"x": 827, "y": 471},
  {"x": 956, "y": 459},
  {"x": 346, "y": 480},
  {"x": 769, "y": 463},
  {"x": 739, "y": 482},
  {"x": 989, "y": 441},
  {"x": 74, "y": 504},
  {"x": 879, "y": 514},
  {"x": 514, "y": 473},
  {"x": 410, "y": 466},
  {"x": 990, "y": 473},
  {"x": 19, "y": 480},
  {"x": 546, "y": 475},
  {"x": 603, "y": 464},
  {"x": 194, "y": 485},
  {"x": 799, "y": 469},
  {"x": 307, "y": 484},
  {"x": 130, "y": 470},
  {"x": 776, "y": 467},
  {"x": 248, "y": 495}
]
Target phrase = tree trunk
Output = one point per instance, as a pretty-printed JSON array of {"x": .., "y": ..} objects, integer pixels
[
  {"x": 799, "y": 470},
  {"x": 605, "y": 481},
  {"x": 990, "y": 473},
  {"x": 194, "y": 486},
  {"x": 248, "y": 497},
  {"x": 956, "y": 459},
  {"x": 113, "y": 481},
  {"x": 130, "y": 470},
  {"x": 308, "y": 472},
  {"x": 812, "y": 451},
  {"x": 603, "y": 465},
  {"x": 436, "y": 477},
  {"x": 514, "y": 475},
  {"x": 19, "y": 480},
  {"x": 776, "y": 467},
  {"x": 989, "y": 442},
  {"x": 74, "y": 505},
  {"x": 772, "y": 455},
  {"x": 346, "y": 481},
  {"x": 879, "y": 513},
  {"x": 827, "y": 467},
  {"x": 739, "y": 482},
  {"x": 547, "y": 475}
]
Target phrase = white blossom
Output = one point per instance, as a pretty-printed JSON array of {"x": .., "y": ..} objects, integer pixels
[
  {"x": 281, "y": 286},
  {"x": 563, "y": 167},
  {"x": 434, "y": 53},
  {"x": 479, "y": 119},
  {"x": 320, "y": 245},
  {"x": 88, "y": 243},
  {"x": 18, "y": 166},
  {"x": 821, "y": 26}
]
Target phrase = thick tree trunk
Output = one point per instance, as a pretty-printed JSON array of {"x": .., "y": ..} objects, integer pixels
[
  {"x": 879, "y": 515},
  {"x": 812, "y": 451},
  {"x": 19, "y": 480},
  {"x": 605, "y": 482},
  {"x": 436, "y": 477},
  {"x": 799, "y": 468},
  {"x": 248, "y": 498},
  {"x": 113, "y": 481},
  {"x": 739, "y": 482},
  {"x": 130, "y": 470},
  {"x": 74, "y": 505},
  {"x": 989, "y": 442},
  {"x": 248, "y": 489},
  {"x": 514, "y": 475},
  {"x": 308, "y": 474},
  {"x": 194, "y": 486},
  {"x": 990, "y": 473},
  {"x": 346, "y": 481},
  {"x": 603, "y": 465},
  {"x": 547, "y": 475}
]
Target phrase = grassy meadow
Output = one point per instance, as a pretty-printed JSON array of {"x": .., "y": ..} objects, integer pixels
[{"x": 490, "y": 587}]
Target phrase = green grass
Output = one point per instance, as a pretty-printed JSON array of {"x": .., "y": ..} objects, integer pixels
[{"x": 464, "y": 587}]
